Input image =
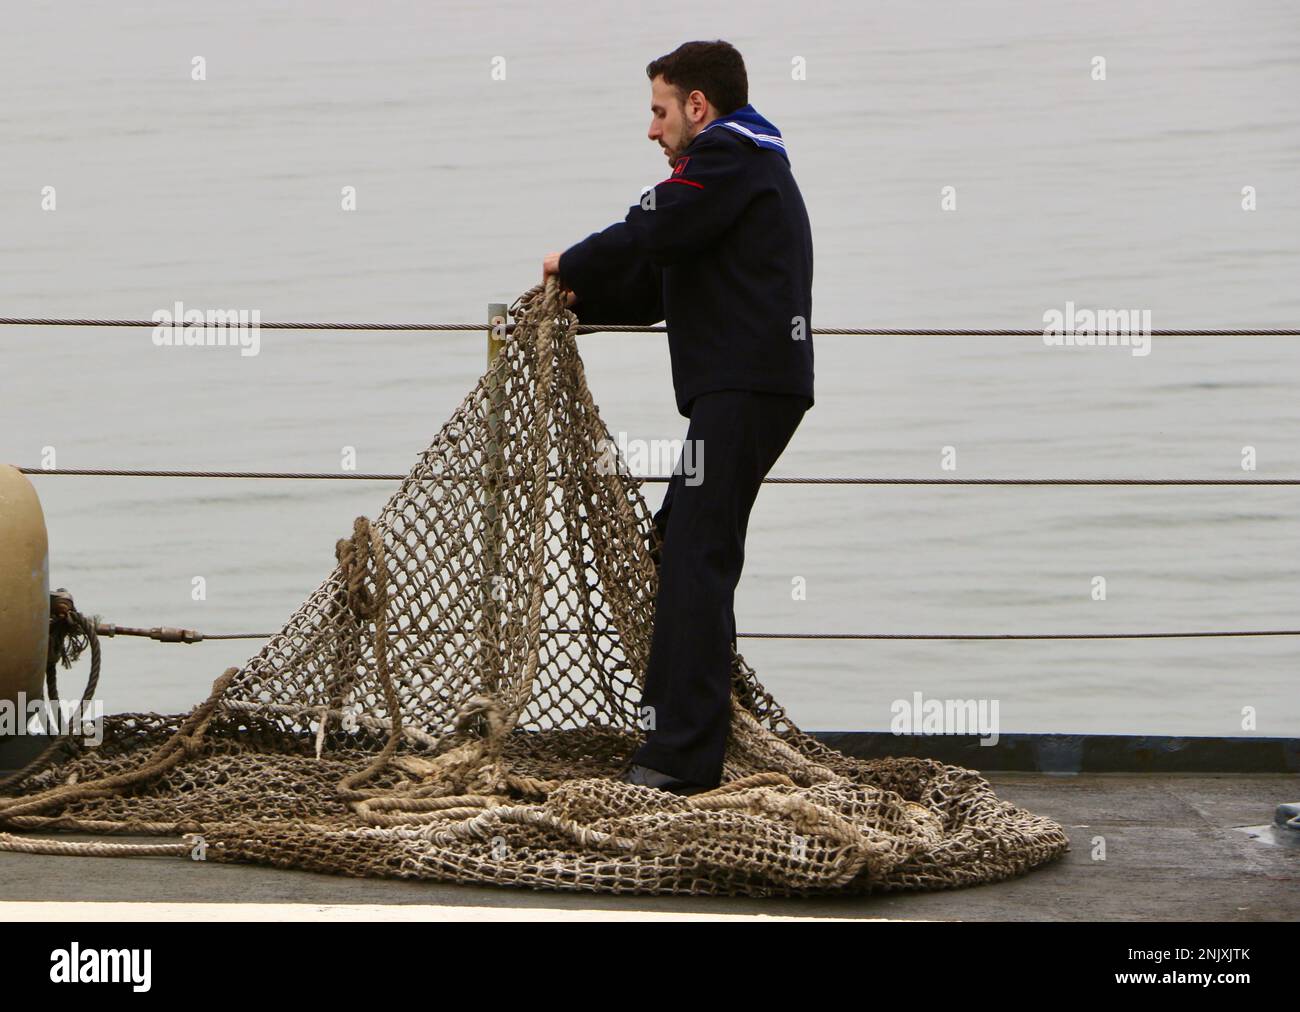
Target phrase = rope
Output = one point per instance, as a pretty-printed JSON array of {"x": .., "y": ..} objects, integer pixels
[
  {"x": 308, "y": 475},
  {"x": 71, "y": 633},
  {"x": 588, "y": 328},
  {"x": 187, "y": 741},
  {"x": 27, "y": 845},
  {"x": 355, "y": 558},
  {"x": 570, "y": 631},
  {"x": 474, "y": 762}
]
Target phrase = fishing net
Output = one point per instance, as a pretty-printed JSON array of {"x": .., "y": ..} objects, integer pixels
[{"x": 457, "y": 700}]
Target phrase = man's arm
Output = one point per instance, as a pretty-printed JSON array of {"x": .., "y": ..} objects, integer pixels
[
  {"x": 692, "y": 209},
  {"x": 617, "y": 273},
  {"x": 614, "y": 281}
]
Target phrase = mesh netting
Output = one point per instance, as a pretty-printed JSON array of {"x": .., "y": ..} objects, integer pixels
[{"x": 457, "y": 700}]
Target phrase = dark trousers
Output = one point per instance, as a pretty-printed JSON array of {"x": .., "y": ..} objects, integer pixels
[{"x": 703, "y": 525}]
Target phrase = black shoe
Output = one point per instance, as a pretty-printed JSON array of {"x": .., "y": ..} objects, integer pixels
[{"x": 644, "y": 776}]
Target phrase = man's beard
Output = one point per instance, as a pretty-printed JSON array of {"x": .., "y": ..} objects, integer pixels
[{"x": 684, "y": 142}]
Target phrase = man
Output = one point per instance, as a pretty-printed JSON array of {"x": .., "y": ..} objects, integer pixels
[{"x": 722, "y": 251}]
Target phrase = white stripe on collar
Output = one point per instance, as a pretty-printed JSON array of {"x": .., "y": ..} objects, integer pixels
[{"x": 748, "y": 133}]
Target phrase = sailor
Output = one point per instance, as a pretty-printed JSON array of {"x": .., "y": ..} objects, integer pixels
[{"x": 722, "y": 251}]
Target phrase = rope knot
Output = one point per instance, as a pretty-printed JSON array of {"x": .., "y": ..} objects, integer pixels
[
  {"x": 354, "y": 556},
  {"x": 69, "y": 631},
  {"x": 191, "y": 744},
  {"x": 482, "y": 718}
]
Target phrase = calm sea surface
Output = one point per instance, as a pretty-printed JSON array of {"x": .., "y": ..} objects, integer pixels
[{"x": 1123, "y": 193}]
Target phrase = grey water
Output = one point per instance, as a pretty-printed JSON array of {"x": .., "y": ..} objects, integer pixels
[{"x": 1122, "y": 193}]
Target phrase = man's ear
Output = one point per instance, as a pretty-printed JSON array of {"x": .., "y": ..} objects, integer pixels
[{"x": 697, "y": 103}]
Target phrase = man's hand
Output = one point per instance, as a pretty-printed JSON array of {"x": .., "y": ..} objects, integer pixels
[{"x": 551, "y": 265}]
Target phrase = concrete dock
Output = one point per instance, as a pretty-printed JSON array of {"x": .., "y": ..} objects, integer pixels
[{"x": 1174, "y": 844}]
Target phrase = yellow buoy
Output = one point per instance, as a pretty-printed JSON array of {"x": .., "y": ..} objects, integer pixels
[{"x": 24, "y": 588}]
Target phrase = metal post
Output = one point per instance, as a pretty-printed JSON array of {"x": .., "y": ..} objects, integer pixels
[
  {"x": 496, "y": 330},
  {"x": 493, "y": 503}
]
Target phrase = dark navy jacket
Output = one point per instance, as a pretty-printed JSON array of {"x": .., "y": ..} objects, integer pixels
[{"x": 725, "y": 257}]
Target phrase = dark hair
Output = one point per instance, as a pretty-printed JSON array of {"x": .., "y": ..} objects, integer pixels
[{"x": 715, "y": 68}]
